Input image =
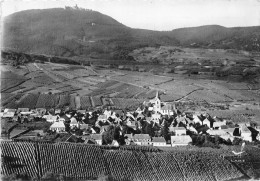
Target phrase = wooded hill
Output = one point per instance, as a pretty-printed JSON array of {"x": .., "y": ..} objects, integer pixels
[{"x": 80, "y": 32}]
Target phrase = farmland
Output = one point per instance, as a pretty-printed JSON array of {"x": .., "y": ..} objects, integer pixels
[
  {"x": 122, "y": 164},
  {"x": 128, "y": 85}
]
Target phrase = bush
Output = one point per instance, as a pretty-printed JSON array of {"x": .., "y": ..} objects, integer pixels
[{"x": 237, "y": 141}]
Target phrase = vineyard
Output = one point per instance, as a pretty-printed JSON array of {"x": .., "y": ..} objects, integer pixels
[
  {"x": 28, "y": 101},
  {"x": 9, "y": 80},
  {"x": 126, "y": 103},
  {"x": 60, "y": 101},
  {"x": 82, "y": 161},
  {"x": 85, "y": 102}
]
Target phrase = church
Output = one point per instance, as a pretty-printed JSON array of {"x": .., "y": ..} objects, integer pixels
[{"x": 160, "y": 107}]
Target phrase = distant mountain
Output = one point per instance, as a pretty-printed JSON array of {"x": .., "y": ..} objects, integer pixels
[
  {"x": 215, "y": 36},
  {"x": 79, "y": 32}
]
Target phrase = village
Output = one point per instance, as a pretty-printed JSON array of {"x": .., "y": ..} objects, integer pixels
[{"x": 155, "y": 123}]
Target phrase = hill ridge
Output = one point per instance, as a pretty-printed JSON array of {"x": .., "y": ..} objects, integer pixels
[{"x": 61, "y": 32}]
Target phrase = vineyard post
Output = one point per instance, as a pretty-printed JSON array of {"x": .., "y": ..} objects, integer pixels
[{"x": 37, "y": 158}]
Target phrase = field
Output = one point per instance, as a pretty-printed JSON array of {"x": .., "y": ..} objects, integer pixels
[
  {"x": 82, "y": 161},
  {"x": 121, "y": 87}
]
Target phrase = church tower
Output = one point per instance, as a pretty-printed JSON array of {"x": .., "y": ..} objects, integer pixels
[{"x": 157, "y": 103}]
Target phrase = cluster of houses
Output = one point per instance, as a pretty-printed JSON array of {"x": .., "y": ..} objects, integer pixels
[{"x": 195, "y": 122}]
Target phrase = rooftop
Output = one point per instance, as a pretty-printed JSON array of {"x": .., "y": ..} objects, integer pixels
[
  {"x": 181, "y": 139},
  {"x": 141, "y": 136},
  {"x": 173, "y": 129},
  {"x": 96, "y": 136},
  {"x": 159, "y": 139},
  {"x": 58, "y": 125}
]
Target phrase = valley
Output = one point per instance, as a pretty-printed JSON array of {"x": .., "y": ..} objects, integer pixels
[{"x": 195, "y": 80}]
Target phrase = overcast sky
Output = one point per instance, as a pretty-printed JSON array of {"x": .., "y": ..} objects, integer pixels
[{"x": 157, "y": 14}]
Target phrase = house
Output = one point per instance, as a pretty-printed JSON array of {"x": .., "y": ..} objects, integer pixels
[
  {"x": 73, "y": 123},
  {"x": 138, "y": 110},
  {"x": 140, "y": 116},
  {"x": 192, "y": 129},
  {"x": 117, "y": 120},
  {"x": 102, "y": 118},
  {"x": 57, "y": 111},
  {"x": 50, "y": 118},
  {"x": 196, "y": 119},
  {"x": 130, "y": 116},
  {"x": 97, "y": 138},
  {"x": 158, "y": 141},
  {"x": 148, "y": 119},
  {"x": 41, "y": 111},
  {"x": 206, "y": 122},
  {"x": 216, "y": 132},
  {"x": 81, "y": 111},
  {"x": 181, "y": 119},
  {"x": 26, "y": 113},
  {"x": 180, "y": 140},
  {"x": 15, "y": 118},
  {"x": 22, "y": 110},
  {"x": 34, "y": 113},
  {"x": 58, "y": 126},
  {"x": 84, "y": 126},
  {"x": 10, "y": 110},
  {"x": 156, "y": 117},
  {"x": 139, "y": 139},
  {"x": 120, "y": 113},
  {"x": 218, "y": 124},
  {"x": 131, "y": 124},
  {"x": 230, "y": 131},
  {"x": 68, "y": 115},
  {"x": 167, "y": 109},
  {"x": 257, "y": 128},
  {"x": 178, "y": 131},
  {"x": 113, "y": 116},
  {"x": 107, "y": 113},
  {"x": 202, "y": 129},
  {"x": 64, "y": 118},
  {"x": 188, "y": 120},
  {"x": 8, "y": 114},
  {"x": 245, "y": 133},
  {"x": 114, "y": 143}
]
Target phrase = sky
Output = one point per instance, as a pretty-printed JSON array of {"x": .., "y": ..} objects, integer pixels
[{"x": 162, "y": 15}]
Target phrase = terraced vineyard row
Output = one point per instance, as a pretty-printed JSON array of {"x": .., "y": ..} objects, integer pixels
[
  {"x": 29, "y": 101},
  {"x": 72, "y": 160},
  {"x": 83, "y": 161},
  {"x": 18, "y": 158}
]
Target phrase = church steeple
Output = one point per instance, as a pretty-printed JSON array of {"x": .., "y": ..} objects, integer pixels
[
  {"x": 157, "y": 95},
  {"x": 157, "y": 105}
]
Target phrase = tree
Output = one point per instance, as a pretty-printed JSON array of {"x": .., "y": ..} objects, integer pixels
[
  {"x": 165, "y": 131},
  {"x": 16, "y": 177},
  {"x": 108, "y": 136},
  {"x": 67, "y": 127},
  {"x": 104, "y": 177},
  {"x": 237, "y": 141}
]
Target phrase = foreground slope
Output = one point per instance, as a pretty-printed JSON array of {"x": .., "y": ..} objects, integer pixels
[{"x": 83, "y": 161}]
